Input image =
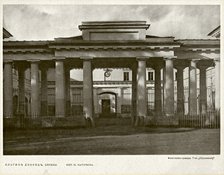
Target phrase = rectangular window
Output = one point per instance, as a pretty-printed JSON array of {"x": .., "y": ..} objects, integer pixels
[
  {"x": 126, "y": 76},
  {"x": 150, "y": 76}
]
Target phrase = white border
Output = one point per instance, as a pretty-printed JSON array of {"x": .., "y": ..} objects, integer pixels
[{"x": 140, "y": 164}]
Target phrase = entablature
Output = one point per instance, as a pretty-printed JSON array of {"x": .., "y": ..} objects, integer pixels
[{"x": 113, "y": 47}]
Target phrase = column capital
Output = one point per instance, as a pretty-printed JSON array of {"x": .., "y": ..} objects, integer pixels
[
  {"x": 59, "y": 58},
  {"x": 86, "y": 58},
  {"x": 7, "y": 61},
  {"x": 202, "y": 67},
  {"x": 141, "y": 58},
  {"x": 193, "y": 63},
  {"x": 170, "y": 57},
  {"x": 33, "y": 61},
  {"x": 194, "y": 60}
]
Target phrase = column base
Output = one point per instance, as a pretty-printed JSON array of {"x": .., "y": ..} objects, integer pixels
[
  {"x": 89, "y": 122},
  {"x": 140, "y": 121}
]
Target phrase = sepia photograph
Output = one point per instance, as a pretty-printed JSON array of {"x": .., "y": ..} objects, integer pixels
[{"x": 111, "y": 79}]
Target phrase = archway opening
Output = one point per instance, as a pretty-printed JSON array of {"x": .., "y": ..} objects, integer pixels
[{"x": 108, "y": 104}]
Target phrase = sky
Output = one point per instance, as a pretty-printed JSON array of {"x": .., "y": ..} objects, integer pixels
[{"x": 46, "y": 22}]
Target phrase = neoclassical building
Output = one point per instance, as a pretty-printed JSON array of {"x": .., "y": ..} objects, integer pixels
[{"x": 114, "y": 69}]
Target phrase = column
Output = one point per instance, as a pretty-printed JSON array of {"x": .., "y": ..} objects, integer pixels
[
  {"x": 180, "y": 90},
  {"x": 8, "y": 90},
  {"x": 44, "y": 91},
  {"x": 96, "y": 101},
  {"x": 141, "y": 98},
  {"x": 34, "y": 77},
  {"x": 193, "y": 88},
  {"x": 164, "y": 82},
  {"x": 203, "y": 90},
  {"x": 21, "y": 95},
  {"x": 169, "y": 88},
  {"x": 59, "y": 89},
  {"x": 88, "y": 90},
  {"x": 217, "y": 84},
  {"x": 134, "y": 92},
  {"x": 67, "y": 89},
  {"x": 158, "y": 104},
  {"x": 119, "y": 101}
]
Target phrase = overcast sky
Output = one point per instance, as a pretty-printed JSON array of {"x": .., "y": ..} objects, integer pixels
[{"x": 46, "y": 22}]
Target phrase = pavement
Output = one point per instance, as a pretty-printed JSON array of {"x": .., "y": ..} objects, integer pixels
[{"x": 111, "y": 140}]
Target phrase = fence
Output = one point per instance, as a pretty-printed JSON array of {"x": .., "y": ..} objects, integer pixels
[{"x": 209, "y": 120}]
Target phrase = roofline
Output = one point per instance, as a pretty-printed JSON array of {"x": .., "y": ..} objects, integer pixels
[
  {"x": 111, "y": 22},
  {"x": 11, "y": 44},
  {"x": 195, "y": 42},
  {"x": 213, "y": 31},
  {"x": 7, "y": 33},
  {"x": 197, "y": 39},
  {"x": 113, "y": 25}
]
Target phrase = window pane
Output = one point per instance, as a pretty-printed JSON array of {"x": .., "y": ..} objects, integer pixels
[
  {"x": 150, "y": 76},
  {"x": 126, "y": 76}
]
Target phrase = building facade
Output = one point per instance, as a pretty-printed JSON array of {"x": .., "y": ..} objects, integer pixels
[{"x": 112, "y": 70}]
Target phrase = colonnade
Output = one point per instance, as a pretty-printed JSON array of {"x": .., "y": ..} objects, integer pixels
[{"x": 139, "y": 94}]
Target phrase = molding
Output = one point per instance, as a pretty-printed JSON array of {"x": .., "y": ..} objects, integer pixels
[
  {"x": 86, "y": 58},
  {"x": 203, "y": 49},
  {"x": 112, "y": 47},
  {"x": 194, "y": 60},
  {"x": 87, "y": 25},
  {"x": 7, "y": 61},
  {"x": 34, "y": 61},
  {"x": 26, "y": 51}
]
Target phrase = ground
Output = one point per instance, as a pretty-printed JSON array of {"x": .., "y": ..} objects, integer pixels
[{"x": 112, "y": 140}]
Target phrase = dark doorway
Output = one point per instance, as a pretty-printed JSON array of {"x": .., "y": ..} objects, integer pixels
[
  {"x": 106, "y": 107},
  {"x": 108, "y": 101}
]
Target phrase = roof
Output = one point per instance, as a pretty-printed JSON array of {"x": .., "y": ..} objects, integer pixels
[
  {"x": 6, "y": 34},
  {"x": 86, "y": 25},
  {"x": 215, "y": 32}
]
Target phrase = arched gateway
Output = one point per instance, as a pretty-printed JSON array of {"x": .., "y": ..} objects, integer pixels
[{"x": 110, "y": 44}]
